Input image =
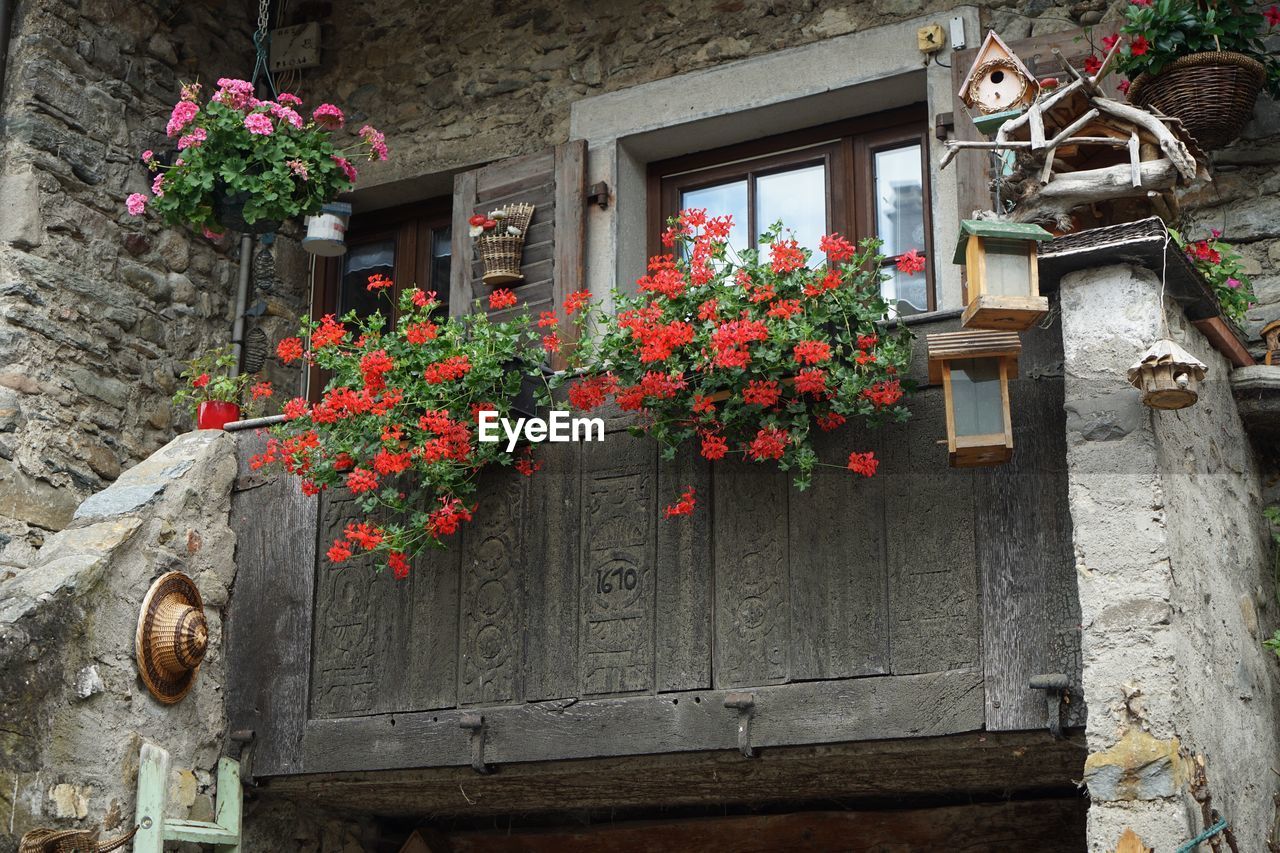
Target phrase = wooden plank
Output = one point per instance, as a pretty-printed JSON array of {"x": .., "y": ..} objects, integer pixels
[
  {"x": 1030, "y": 606},
  {"x": 685, "y": 567},
  {"x": 809, "y": 712},
  {"x": 616, "y": 644},
  {"x": 431, "y": 674},
  {"x": 463, "y": 248},
  {"x": 980, "y": 765},
  {"x": 929, "y": 517},
  {"x": 1042, "y": 825},
  {"x": 268, "y": 630},
  {"x": 491, "y": 623},
  {"x": 552, "y": 555},
  {"x": 360, "y": 614},
  {"x": 524, "y": 170},
  {"x": 752, "y": 616},
  {"x": 839, "y": 586},
  {"x": 571, "y": 231}
]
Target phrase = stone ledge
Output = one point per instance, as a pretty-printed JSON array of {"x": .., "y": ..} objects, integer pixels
[{"x": 1257, "y": 393}]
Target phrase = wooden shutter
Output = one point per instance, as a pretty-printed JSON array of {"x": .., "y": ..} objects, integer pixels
[
  {"x": 973, "y": 170},
  {"x": 554, "y": 182}
]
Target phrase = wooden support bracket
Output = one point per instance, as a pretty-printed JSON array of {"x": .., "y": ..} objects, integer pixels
[
  {"x": 1055, "y": 686},
  {"x": 474, "y": 723},
  {"x": 744, "y": 704},
  {"x": 154, "y": 828}
]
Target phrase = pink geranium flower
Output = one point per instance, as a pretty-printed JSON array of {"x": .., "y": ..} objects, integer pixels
[
  {"x": 183, "y": 113},
  {"x": 376, "y": 141},
  {"x": 136, "y": 204},
  {"x": 259, "y": 123},
  {"x": 157, "y": 186},
  {"x": 327, "y": 115},
  {"x": 289, "y": 98},
  {"x": 345, "y": 165},
  {"x": 192, "y": 139},
  {"x": 237, "y": 94}
]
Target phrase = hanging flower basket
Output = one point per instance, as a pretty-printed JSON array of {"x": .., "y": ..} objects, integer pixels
[
  {"x": 228, "y": 209},
  {"x": 500, "y": 240},
  {"x": 1212, "y": 93}
]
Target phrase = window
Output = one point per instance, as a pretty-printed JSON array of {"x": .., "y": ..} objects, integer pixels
[
  {"x": 411, "y": 245},
  {"x": 862, "y": 178}
]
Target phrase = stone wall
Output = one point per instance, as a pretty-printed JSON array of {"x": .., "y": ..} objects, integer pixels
[
  {"x": 1175, "y": 579},
  {"x": 97, "y": 309},
  {"x": 75, "y": 712}
]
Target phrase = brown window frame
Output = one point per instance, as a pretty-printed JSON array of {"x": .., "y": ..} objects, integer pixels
[
  {"x": 411, "y": 226},
  {"x": 846, "y": 147}
]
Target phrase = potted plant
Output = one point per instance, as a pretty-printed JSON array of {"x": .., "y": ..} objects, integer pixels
[
  {"x": 248, "y": 165},
  {"x": 1221, "y": 266},
  {"x": 748, "y": 354},
  {"x": 218, "y": 394},
  {"x": 397, "y": 424},
  {"x": 1201, "y": 61},
  {"x": 500, "y": 239}
]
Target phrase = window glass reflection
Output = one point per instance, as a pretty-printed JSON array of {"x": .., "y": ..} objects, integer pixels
[
  {"x": 441, "y": 257},
  {"x": 798, "y": 197},
  {"x": 360, "y": 262},
  {"x": 723, "y": 200},
  {"x": 899, "y": 200}
]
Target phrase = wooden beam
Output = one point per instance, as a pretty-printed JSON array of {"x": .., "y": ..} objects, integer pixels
[
  {"x": 1042, "y": 825},
  {"x": 993, "y": 764}
]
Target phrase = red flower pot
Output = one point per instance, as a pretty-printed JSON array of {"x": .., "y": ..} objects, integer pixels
[{"x": 215, "y": 414}]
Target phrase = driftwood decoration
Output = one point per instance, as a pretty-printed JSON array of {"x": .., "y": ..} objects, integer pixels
[{"x": 1075, "y": 148}]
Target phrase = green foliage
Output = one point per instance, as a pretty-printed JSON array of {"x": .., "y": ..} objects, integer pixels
[
  {"x": 1221, "y": 266},
  {"x": 1174, "y": 28},
  {"x": 289, "y": 167},
  {"x": 711, "y": 331},
  {"x": 397, "y": 422},
  {"x": 208, "y": 377}
]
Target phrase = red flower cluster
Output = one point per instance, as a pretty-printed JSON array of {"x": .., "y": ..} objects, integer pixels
[
  {"x": 863, "y": 463},
  {"x": 883, "y": 394},
  {"x": 769, "y": 443},
  {"x": 444, "y": 520},
  {"x": 684, "y": 506},
  {"x": 289, "y": 350},
  {"x": 761, "y": 393},
  {"x": 454, "y": 367},
  {"x": 812, "y": 352},
  {"x": 420, "y": 333},
  {"x": 591, "y": 392},
  {"x": 502, "y": 298},
  {"x": 836, "y": 248},
  {"x": 911, "y": 263},
  {"x": 730, "y": 341},
  {"x": 786, "y": 256},
  {"x": 378, "y": 282}
]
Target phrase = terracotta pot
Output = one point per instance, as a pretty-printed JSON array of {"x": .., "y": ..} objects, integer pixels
[{"x": 216, "y": 414}]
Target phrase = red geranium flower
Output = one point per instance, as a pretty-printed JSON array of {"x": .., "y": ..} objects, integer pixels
[
  {"x": 684, "y": 506},
  {"x": 398, "y": 564},
  {"x": 863, "y": 463},
  {"x": 812, "y": 352},
  {"x": 200, "y": 381},
  {"x": 714, "y": 446},
  {"x": 911, "y": 263},
  {"x": 576, "y": 301},
  {"x": 502, "y": 298},
  {"x": 786, "y": 256},
  {"x": 378, "y": 281},
  {"x": 1138, "y": 46},
  {"x": 339, "y": 551},
  {"x": 289, "y": 350},
  {"x": 769, "y": 443},
  {"x": 1272, "y": 15},
  {"x": 836, "y": 248}
]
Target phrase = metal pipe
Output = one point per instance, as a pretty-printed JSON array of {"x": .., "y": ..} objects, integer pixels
[
  {"x": 254, "y": 423},
  {"x": 242, "y": 298}
]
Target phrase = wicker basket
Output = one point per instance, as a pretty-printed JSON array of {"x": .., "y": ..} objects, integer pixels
[
  {"x": 500, "y": 252},
  {"x": 1212, "y": 93}
]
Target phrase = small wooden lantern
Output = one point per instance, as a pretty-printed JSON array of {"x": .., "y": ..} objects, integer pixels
[
  {"x": 974, "y": 368},
  {"x": 1168, "y": 376},
  {"x": 1003, "y": 274},
  {"x": 1271, "y": 334}
]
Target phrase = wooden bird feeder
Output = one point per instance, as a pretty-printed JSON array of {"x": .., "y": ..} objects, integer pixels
[
  {"x": 974, "y": 368},
  {"x": 1000, "y": 259},
  {"x": 1271, "y": 334},
  {"x": 1168, "y": 376}
]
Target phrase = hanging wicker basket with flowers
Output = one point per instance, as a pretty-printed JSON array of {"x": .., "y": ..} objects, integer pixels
[
  {"x": 1200, "y": 61},
  {"x": 500, "y": 237}
]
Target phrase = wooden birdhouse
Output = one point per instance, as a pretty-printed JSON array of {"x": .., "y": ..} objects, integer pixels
[
  {"x": 1001, "y": 263},
  {"x": 974, "y": 369},
  {"x": 1168, "y": 376},
  {"x": 997, "y": 82}
]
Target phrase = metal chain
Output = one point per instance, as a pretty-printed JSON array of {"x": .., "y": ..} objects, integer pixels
[
  {"x": 262, "y": 42},
  {"x": 264, "y": 12}
]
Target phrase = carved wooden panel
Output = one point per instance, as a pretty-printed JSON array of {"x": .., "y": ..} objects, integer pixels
[
  {"x": 753, "y": 624},
  {"x": 617, "y": 582},
  {"x": 492, "y": 611}
]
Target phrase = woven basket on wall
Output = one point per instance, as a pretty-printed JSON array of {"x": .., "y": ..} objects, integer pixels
[
  {"x": 1212, "y": 93},
  {"x": 501, "y": 252}
]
